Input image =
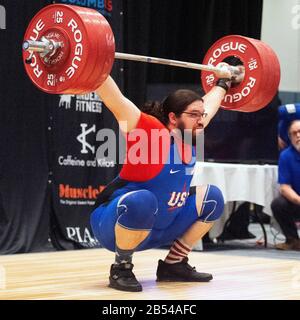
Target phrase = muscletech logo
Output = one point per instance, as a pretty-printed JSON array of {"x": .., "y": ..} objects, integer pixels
[
  {"x": 2, "y": 17},
  {"x": 105, "y": 7},
  {"x": 69, "y": 192}
]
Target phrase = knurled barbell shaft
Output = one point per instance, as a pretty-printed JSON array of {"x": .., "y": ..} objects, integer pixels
[
  {"x": 41, "y": 47},
  {"x": 234, "y": 71},
  {"x": 176, "y": 63}
]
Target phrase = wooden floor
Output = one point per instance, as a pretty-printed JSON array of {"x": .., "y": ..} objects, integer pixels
[{"x": 83, "y": 274}]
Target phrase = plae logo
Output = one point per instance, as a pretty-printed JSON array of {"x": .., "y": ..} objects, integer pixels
[{"x": 81, "y": 235}]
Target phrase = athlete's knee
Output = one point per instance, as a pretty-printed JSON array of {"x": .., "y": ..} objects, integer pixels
[
  {"x": 137, "y": 210},
  {"x": 212, "y": 205}
]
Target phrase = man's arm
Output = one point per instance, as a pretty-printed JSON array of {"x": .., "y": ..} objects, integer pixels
[
  {"x": 288, "y": 192},
  {"x": 126, "y": 112},
  {"x": 212, "y": 101}
]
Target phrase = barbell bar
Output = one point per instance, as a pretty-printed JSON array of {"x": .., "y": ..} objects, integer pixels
[{"x": 44, "y": 47}]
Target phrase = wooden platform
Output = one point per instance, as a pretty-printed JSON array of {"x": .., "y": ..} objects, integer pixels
[{"x": 83, "y": 274}]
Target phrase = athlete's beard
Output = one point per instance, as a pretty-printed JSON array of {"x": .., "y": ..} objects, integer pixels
[{"x": 189, "y": 136}]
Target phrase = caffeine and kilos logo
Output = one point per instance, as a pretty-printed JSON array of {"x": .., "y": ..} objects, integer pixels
[
  {"x": 105, "y": 7},
  {"x": 81, "y": 103},
  {"x": 87, "y": 148}
]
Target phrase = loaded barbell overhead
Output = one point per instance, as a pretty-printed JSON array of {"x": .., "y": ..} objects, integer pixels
[
  {"x": 71, "y": 50},
  {"x": 45, "y": 47}
]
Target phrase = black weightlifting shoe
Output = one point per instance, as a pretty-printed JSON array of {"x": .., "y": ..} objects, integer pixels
[
  {"x": 180, "y": 271},
  {"x": 122, "y": 278}
]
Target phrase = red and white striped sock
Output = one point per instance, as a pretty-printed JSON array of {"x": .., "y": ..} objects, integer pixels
[{"x": 178, "y": 251}]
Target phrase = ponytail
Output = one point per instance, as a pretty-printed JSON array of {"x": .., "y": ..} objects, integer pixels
[{"x": 154, "y": 108}]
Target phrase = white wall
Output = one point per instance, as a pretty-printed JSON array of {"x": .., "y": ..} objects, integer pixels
[{"x": 281, "y": 30}]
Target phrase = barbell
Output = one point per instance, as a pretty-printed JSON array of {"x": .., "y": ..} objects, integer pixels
[{"x": 71, "y": 50}]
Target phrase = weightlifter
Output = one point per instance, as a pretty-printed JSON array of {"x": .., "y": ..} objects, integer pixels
[{"x": 150, "y": 205}]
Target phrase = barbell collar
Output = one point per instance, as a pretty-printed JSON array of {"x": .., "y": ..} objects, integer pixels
[{"x": 43, "y": 47}]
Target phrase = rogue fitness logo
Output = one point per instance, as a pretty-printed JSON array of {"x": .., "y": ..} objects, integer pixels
[
  {"x": 2, "y": 17},
  {"x": 65, "y": 100},
  {"x": 83, "y": 103},
  {"x": 105, "y": 7}
]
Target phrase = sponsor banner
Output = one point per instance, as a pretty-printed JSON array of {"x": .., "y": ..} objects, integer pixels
[
  {"x": 79, "y": 175},
  {"x": 70, "y": 195},
  {"x": 81, "y": 103},
  {"x": 83, "y": 236},
  {"x": 105, "y": 7}
]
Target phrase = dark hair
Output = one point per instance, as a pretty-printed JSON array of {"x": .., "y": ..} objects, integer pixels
[{"x": 176, "y": 102}]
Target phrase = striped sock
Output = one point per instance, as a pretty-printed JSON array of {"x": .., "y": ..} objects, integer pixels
[
  {"x": 123, "y": 256},
  {"x": 178, "y": 251}
]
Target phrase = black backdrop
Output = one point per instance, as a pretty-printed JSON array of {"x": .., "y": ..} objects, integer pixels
[{"x": 37, "y": 128}]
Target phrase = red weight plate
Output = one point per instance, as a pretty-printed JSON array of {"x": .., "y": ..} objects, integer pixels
[
  {"x": 105, "y": 52},
  {"x": 89, "y": 17},
  {"x": 272, "y": 61},
  {"x": 69, "y": 70},
  {"x": 259, "y": 100},
  {"x": 270, "y": 76},
  {"x": 249, "y": 94},
  {"x": 102, "y": 53}
]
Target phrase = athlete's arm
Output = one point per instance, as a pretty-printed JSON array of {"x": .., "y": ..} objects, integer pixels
[
  {"x": 125, "y": 111},
  {"x": 211, "y": 103},
  {"x": 213, "y": 99}
]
